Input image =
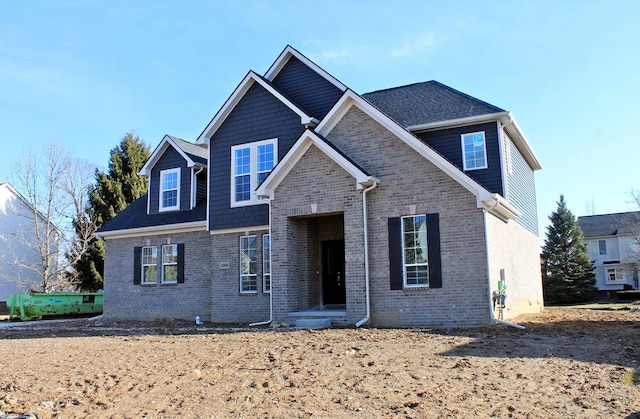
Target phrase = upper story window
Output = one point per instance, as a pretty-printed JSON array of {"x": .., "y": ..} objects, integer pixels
[
  {"x": 169, "y": 190},
  {"x": 250, "y": 165},
  {"x": 474, "y": 151},
  {"x": 597, "y": 247}
]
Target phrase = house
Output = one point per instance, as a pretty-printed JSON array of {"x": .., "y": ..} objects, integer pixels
[
  {"x": 20, "y": 265},
  {"x": 612, "y": 243},
  {"x": 302, "y": 201}
]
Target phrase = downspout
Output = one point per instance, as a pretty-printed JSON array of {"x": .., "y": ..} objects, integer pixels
[
  {"x": 194, "y": 187},
  {"x": 366, "y": 253},
  {"x": 271, "y": 290},
  {"x": 486, "y": 239}
]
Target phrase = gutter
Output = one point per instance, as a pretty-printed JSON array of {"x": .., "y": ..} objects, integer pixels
[
  {"x": 366, "y": 253},
  {"x": 486, "y": 239}
]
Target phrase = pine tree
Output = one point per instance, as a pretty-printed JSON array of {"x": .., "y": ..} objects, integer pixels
[
  {"x": 567, "y": 270},
  {"x": 114, "y": 191}
]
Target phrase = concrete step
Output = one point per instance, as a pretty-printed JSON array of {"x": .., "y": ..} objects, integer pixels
[{"x": 314, "y": 323}]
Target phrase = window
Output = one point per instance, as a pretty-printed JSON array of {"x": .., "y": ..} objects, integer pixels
[
  {"x": 474, "y": 151},
  {"x": 248, "y": 264},
  {"x": 169, "y": 189},
  {"x": 602, "y": 247},
  {"x": 414, "y": 246},
  {"x": 150, "y": 264},
  {"x": 614, "y": 274},
  {"x": 266, "y": 263},
  {"x": 170, "y": 263},
  {"x": 250, "y": 165}
]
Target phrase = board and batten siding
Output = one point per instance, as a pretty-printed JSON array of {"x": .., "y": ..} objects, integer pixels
[
  {"x": 170, "y": 159},
  {"x": 312, "y": 92},
  {"x": 521, "y": 187},
  {"x": 258, "y": 116},
  {"x": 448, "y": 143}
]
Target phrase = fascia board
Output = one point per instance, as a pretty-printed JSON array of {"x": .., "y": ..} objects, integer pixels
[
  {"x": 159, "y": 151},
  {"x": 237, "y": 95},
  {"x": 154, "y": 230},
  {"x": 350, "y": 98},
  {"x": 284, "y": 57},
  {"x": 300, "y": 147}
]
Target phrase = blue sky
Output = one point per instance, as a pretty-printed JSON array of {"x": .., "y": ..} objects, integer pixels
[{"x": 84, "y": 73}]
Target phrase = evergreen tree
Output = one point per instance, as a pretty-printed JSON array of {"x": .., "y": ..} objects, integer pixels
[
  {"x": 567, "y": 270},
  {"x": 114, "y": 190}
]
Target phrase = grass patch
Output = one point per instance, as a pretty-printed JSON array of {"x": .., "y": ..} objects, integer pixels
[{"x": 631, "y": 377}]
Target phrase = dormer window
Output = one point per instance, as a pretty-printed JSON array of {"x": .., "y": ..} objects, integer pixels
[
  {"x": 474, "y": 151},
  {"x": 250, "y": 165},
  {"x": 169, "y": 190}
]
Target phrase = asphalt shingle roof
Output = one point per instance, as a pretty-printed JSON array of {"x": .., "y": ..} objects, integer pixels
[
  {"x": 610, "y": 224},
  {"x": 427, "y": 102}
]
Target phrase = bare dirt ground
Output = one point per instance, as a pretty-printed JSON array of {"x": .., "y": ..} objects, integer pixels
[{"x": 567, "y": 363}]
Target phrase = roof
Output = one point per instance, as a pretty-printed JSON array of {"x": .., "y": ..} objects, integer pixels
[
  {"x": 198, "y": 153},
  {"x": 135, "y": 217},
  {"x": 194, "y": 154},
  {"x": 427, "y": 102},
  {"x": 610, "y": 224}
]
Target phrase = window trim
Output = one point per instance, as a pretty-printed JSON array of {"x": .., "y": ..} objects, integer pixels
[
  {"x": 253, "y": 170},
  {"x": 266, "y": 263},
  {"x": 161, "y": 207},
  {"x": 617, "y": 272},
  {"x": 144, "y": 265},
  {"x": 602, "y": 247},
  {"x": 425, "y": 248},
  {"x": 165, "y": 264},
  {"x": 252, "y": 276},
  {"x": 484, "y": 149}
]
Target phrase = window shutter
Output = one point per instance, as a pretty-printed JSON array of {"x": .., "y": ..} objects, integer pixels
[
  {"x": 395, "y": 253},
  {"x": 433, "y": 247},
  {"x": 137, "y": 265},
  {"x": 181, "y": 263}
]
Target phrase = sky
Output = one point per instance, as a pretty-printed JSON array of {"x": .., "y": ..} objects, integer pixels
[{"x": 84, "y": 73}]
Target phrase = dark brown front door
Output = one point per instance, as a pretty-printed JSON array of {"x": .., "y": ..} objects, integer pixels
[{"x": 333, "y": 286}]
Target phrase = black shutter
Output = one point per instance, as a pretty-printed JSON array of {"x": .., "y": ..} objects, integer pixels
[
  {"x": 181, "y": 263},
  {"x": 395, "y": 253},
  {"x": 137, "y": 265},
  {"x": 433, "y": 248}
]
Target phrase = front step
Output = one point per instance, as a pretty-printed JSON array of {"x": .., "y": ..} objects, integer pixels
[{"x": 316, "y": 323}]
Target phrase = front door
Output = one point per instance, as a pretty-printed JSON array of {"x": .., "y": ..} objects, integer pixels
[{"x": 333, "y": 286}]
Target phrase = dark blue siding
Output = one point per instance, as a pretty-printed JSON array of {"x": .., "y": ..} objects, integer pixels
[
  {"x": 171, "y": 159},
  {"x": 521, "y": 190},
  {"x": 201, "y": 191},
  {"x": 447, "y": 142},
  {"x": 312, "y": 92},
  {"x": 258, "y": 116}
]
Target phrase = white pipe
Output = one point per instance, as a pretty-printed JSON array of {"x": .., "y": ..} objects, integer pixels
[
  {"x": 366, "y": 254},
  {"x": 271, "y": 283},
  {"x": 486, "y": 239}
]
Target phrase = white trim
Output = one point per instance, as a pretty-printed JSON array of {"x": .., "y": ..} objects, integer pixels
[
  {"x": 167, "y": 141},
  {"x": 235, "y": 98},
  {"x": 162, "y": 264},
  {"x": 255, "y": 276},
  {"x": 242, "y": 230},
  {"x": 295, "y": 153},
  {"x": 143, "y": 265},
  {"x": 155, "y": 230},
  {"x": 284, "y": 58},
  {"x": 426, "y": 247},
  {"x": 162, "y": 208},
  {"x": 484, "y": 149},
  {"x": 264, "y": 290},
  {"x": 253, "y": 171}
]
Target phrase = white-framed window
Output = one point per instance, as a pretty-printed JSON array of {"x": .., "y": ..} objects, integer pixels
[
  {"x": 248, "y": 265},
  {"x": 250, "y": 165},
  {"x": 602, "y": 247},
  {"x": 169, "y": 189},
  {"x": 614, "y": 274},
  {"x": 150, "y": 265},
  {"x": 474, "y": 151},
  {"x": 170, "y": 263},
  {"x": 414, "y": 249},
  {"x": 266, "y": 263}
]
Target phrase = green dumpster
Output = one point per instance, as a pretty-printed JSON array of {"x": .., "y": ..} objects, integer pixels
[{"x": 34, "y": 306}]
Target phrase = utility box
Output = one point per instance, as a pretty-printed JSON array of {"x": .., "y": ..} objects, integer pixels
[{"x": 37, "y": 305}]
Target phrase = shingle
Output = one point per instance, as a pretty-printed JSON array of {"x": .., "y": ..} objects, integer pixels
[
  {"x": 610, "y": 224},
  {"x": 427, "y": 102}
]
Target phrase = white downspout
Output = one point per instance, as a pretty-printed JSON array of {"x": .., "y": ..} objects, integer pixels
[
  {"x": 366, "y": 254},
  {"x": 194, "y": 187},
  {"x": 486, "y": 239},
  {"x": 271, "y": 290}
]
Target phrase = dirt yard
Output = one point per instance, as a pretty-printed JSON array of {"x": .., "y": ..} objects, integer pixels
[{"x": 567, "y": 363}]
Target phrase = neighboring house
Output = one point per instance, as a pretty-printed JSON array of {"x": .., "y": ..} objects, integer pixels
[
  {"x": 303, "y": 200},
  {"x": 612, "y": 243},
  {"x": 19, "y": 256}
]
